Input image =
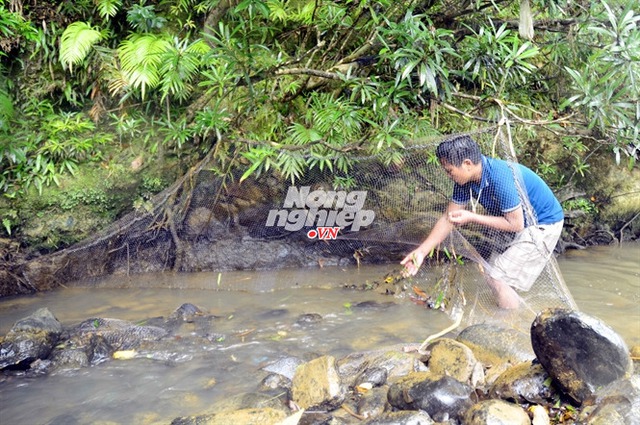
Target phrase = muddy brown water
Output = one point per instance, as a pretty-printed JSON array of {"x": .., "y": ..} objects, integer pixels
[{"x": 257, "y": 313}]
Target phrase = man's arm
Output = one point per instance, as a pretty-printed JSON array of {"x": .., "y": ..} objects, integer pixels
[{"x": 440, "y": 231}]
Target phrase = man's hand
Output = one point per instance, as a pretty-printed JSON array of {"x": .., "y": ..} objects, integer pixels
[
  {"x": 412, "y": 263},
  {"x": 461, "y": 217}
]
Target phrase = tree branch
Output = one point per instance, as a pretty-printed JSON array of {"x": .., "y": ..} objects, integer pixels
[{"x": 308, "y": 71}]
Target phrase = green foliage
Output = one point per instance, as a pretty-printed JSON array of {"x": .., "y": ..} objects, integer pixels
[
  {"x": 69, "y": 200},
  {"x": 577, "y": 150},
  {"x": 548, "y": 171},
  {"x": 606, "y": 85},
  {"x": 290, "y": 86},
  {"x": 176, "y": 133},
  {"x": 212, "y": 121},
  {"x": 76, "y": 43},
  {"x": 108, "y": 8},
  {"x": 144, "y": 18},
  {"x": 580, "y": 204},
  {"x": 141, "y": 58},
  {"x": 151, "y": 185},
  {"x": 494, "y": 57},
  {"x": 416, "y": 49},
  {"x": 289, "y": 12},
  {"x": 13, "y": 26},
  {"x": 39, "y": 158},
  {"x": 78, "y": 8},
  {"x": 9, "y": 220},
  {"x": 6, "y": 105},
  {"x": 330, "y": 126},
  {"x": 178, "y": 67}
]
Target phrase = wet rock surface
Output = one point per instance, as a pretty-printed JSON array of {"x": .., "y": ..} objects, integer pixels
[
  {"x": 498, "y": 412},
  {"x": 30, "y": 339},
  {"x": 494, "y": 345},
  {"x": 580, "y": 352},
  {"x": 442, "y": 397},
  {"x": 618, "y": 402},
  {"x": 524, "y": 383},
  {"x": 317, "y": 383}
]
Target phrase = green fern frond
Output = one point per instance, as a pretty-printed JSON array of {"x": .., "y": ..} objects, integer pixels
[
  {"x": 199, "y": 47},
  {"x": 118, "y": 82},
  {"x": 277, "y": 11},
  {"x": 291, "y": 165},
  {"x": 298, "y": 134},
  {"x": 305, "y": 13},
  {"x": 76, "y": 43},
  {"x": 140, "y": 57},
  {"x": 142, "y": 49},
  {"x": 108, "y": 8}
]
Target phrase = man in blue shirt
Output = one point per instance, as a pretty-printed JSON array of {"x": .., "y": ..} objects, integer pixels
[{"x": 493, "y": 184}]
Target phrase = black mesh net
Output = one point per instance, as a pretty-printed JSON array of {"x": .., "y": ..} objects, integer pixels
[{"x": 378, "y": 212}]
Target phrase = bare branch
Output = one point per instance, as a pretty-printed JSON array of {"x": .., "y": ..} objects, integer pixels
[{"x": 307, "y": 71}]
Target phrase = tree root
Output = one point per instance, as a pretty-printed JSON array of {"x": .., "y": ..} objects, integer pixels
[{"x": 430, "y": 338}]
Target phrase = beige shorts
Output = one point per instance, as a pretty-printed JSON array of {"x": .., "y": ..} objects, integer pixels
[{"x": 521, "y": 264}]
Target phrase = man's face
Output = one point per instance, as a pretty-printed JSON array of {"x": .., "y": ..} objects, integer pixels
[{"x": 461, "y": 175}]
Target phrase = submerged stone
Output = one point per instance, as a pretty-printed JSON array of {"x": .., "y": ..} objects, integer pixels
[
  {"x": 285, "y": 366},
  {"x": 243, "y": 416},
  {"x": 396, "y": 362},
  {"x": 120, "y": 334}
]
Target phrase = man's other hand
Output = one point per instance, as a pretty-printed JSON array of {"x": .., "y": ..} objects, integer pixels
[{"x": 412, "y": 263}]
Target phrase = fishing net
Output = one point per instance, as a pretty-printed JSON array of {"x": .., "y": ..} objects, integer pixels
[
  {"x": 212, "y": 220},
  {"x": 455, "y": 276}
]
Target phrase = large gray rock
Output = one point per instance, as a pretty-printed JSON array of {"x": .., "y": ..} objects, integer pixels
[
  {"x": 580, "y": 352},
  {"x": 30, "y": 338}
]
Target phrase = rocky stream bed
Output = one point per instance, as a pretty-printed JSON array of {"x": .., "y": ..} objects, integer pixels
[{"x": 571, "y": 369}]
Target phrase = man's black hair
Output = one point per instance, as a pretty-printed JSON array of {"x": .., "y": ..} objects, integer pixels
[{"x": 456, "y": 150}]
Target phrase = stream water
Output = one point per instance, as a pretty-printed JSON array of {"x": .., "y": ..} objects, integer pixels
[{"x": 257, "y": 324}]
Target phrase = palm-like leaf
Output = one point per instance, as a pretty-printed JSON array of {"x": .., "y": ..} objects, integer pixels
[
  {"x": 179, "y": 66},
  {"x": 76, "y": 43},
  {"x": 108, "y": 8},
  {"x": 140, "y": 57}
]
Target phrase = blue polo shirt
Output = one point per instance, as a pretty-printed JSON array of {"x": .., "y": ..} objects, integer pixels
[{"x": 498, "y": 193}]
